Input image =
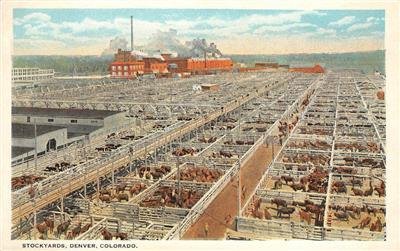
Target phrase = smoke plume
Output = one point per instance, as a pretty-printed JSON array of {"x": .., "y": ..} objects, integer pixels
[{"x": 115, "y": 44}]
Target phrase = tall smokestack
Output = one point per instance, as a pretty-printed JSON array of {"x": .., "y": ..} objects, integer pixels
[
  {"x": 131, "y": 33},
  {"x": 205, "y": 59}
]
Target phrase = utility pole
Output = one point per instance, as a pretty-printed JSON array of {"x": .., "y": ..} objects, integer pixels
[
  {"x": 239, "y": 191},
  {"x": 34, "y": 120},
  {"x": 131, "y": 33},
  {"x": 179, "y": 179}
]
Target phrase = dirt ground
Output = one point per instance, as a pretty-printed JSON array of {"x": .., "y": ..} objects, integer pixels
[
  {"x": 352, "y": 223},
  {"x": 216, "y": 216},
  {"x": 294, "y": 217}
]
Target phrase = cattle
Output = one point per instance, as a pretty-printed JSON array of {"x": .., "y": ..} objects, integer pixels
[
  {"x": 122, "y": 196},
  {"x": 364, "y": 223},
  {"x": 343, "y": 216},
  {"x": 298, "y": 186},
  {"x": 356, "y": 182},
  {"x": 305, "y": 216},
  {"x": 257, "y": 203},
  {"x": 105, "y": 192},
  {"x": 137, "y": 188},
  {"x": 277, "y": 184},
  {"x": 369, "y": 210},
  {"x": 225, "y": 154},
  {"x": 106, "y": 234},
  {"x": 267, "y": 215},
  {"x": 76, "y": 230},
  {"x": 287, "y": 179},
  {"x": 86, "y": 227},
  {"x": 313, "y": 208},
  {"x": 120, "y": 187},
  {"x": 357, "y": 192},
  {"x": 380, "y": 191},
  {"x": 121, "y": 236},
  {"x": 341, "y": 189},
  {"x": 43, "y": 229},
  {"x": 279, "y": 202},
  {"x": 257, "y": 214},
  {"x": 106, "y": 198},
  {"x": 50, "y": 224},
  {"x": 284, "y": 210},
  {"x": 62, "y": 228},
  {"x": 376, "y": 226}
]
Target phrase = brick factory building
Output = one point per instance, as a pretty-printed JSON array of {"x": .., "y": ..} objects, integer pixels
[
  {"x": 155, "y": 65},
  {"x": 316, "y": 69},
  {"x": 198, "y": 65},
  {"x": 126, "y": 65}
]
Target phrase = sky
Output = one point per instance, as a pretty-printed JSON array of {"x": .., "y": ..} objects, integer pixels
[{"x": 88, "y": 31}]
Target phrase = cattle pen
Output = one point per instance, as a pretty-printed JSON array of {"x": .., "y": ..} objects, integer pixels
[{"x": 153, "y": 175}]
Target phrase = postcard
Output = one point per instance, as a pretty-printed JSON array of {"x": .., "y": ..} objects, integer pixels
[{"x": 200, "y": 125}]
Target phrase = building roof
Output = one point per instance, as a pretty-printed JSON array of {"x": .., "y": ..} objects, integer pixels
[
  {"x": 128, "y": 63},
  {"x": 79, "y": 130},
  {"x": 17, "y": 151},
  {"x": 63, "y": 113},
  {"x": 27, "y": 131}
]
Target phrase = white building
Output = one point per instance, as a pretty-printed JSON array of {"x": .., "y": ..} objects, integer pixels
[
  {"x": 56, "y": 128},
  {"x": 48, "y": 138},
  {"x": 66, "y": 117},
  {"x": 23, "y": 75}
]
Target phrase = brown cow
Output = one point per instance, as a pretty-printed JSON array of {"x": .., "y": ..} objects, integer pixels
[
  {"x": 267, "y": 215},
  {"x": 279, "y": 202},
  {"x": 122, "y": 196},
  {"x": 62, "y": 228},
  {"x": 106, "y": 234},
  {"x": 364, "y": 223},
  {"x": 377, "y": 225},
  {"x": 106, "y": 198},
  {"x": 50, "y": 224},
  {"x": 370, "y": 191},
  {"x": 287, "y": 179},
  {"x": 313, "y": 208},
  {"x": 298, "y": 186},
  {"x": 305, "y": 216},
  {"x": 121, "y": 236},
  {"x": 42, "y": 228},
  {"x": 357, "y": 192},
  {"x": 381, "y": 191},
  {"x": 257, "y": 214},
  {"x": 120, "y": 187},
  {"x": 86, "y": 227},
  {"x": 277, "y": 184},
  {"x": 341, "y": 215}
]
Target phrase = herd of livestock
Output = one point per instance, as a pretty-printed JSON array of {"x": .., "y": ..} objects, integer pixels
[
  {"x": 329, "y": 173},
  {"x": 328, "y": 170}
]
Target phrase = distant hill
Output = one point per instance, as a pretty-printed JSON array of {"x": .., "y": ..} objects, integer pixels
[
  {"x": 365, "y": 61},
  {"x": 91, "y": 65}
]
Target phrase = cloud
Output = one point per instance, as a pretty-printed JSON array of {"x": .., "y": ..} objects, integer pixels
[
  {"x": 343, "y": 21},
  {"x": 359, "y": 26},
  {"x": 296, "y": 44},
  {"x": 32, "y": 17},
  {"x": 280, "y": 28},
  {"x": 370, "y": 21},
  {"x": 90, "y": 33},
  {"x": 323, "y": 31},
  {"x": 373, "y": 19}
]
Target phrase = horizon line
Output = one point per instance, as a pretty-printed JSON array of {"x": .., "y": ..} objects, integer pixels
[{"x": 235, "y": 54}]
